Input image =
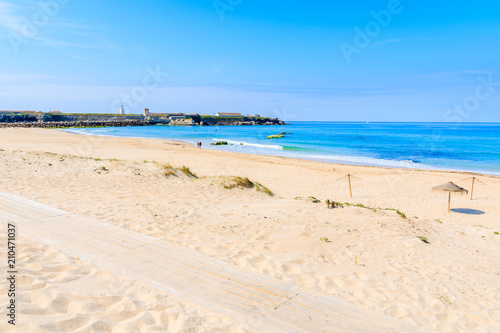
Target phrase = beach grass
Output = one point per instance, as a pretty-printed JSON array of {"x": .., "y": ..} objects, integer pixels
[
  {"x": 359, "y": 205},
  {"x": 239, "y": 182},
  {"x": 169, "y": 170},
  {"x": 262, "y": 188},
  {"x": 185, "y": 170},
  {"x": 244, "y": 183},
  {"x": 423, "y": 239}
]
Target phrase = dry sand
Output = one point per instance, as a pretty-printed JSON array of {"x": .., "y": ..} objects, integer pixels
[{"x": 367, "y": 257}]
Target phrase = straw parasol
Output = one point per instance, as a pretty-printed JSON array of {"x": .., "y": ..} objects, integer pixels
[
  {"x": 349, "y": 177},
  {"x": 474, "y": 180},
  {"x": 450, "y": 187}
]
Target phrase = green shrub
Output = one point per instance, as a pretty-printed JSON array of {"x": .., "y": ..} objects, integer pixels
[{"x": 423, "y": 239}]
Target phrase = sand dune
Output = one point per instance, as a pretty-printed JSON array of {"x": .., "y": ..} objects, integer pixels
[{"x": 370, "y": 258}]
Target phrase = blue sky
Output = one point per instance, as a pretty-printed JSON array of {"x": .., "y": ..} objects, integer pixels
[{"x": 318, "y": 60}]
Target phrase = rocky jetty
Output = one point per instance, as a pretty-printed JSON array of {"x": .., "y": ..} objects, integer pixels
[{"x": 67, "y": 124}]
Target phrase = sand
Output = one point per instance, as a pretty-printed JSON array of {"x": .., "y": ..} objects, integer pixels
[{"x": 370, "y": 258}]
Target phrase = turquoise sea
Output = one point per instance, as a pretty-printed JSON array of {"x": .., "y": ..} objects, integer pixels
[{"x": 465, "y": 146}]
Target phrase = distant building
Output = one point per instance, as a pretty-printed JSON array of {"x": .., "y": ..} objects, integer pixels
[
  {"x": 228, "y": 114},
  {"x": 54, "y": 111},
  {"x": 146, "y": 112},
  {"x": 122, "y": 110}
]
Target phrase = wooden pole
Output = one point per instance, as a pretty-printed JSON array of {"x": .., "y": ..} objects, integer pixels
[
  {"x": 350, "y": 189},
  {"x": 472, "y": 189},
  {"x": 449, "y": 201}
]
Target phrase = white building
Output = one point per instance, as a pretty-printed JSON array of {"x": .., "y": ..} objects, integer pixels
[
  {"x": 122, "y": 110},
  {"x": 228, "y": 114}
]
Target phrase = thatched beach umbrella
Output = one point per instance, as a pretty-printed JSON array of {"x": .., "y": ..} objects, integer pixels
[
  {"x": 349, "y": 177},
  {"x": 474, "y": 180},
  {"x": 450, "y": 187}
]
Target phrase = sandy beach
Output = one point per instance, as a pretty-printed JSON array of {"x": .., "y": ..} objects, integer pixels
[{"x": 370, "y": 256}]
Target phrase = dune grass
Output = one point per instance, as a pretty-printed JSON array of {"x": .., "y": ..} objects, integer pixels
[
  {"x": 403, "y": 215},
  {"x": 423, "y": 239},
  {"x": 309, "y": 198},
  {"x": 262, "y": 188},
  {"x": 185, "y": 170},
  {"x": 244, "y": 183},
  {"x": 397, "y": 211},
  {"x": 239, "y": 182},
  {"x": 228, "y": 182},
  {"x": 169, "y": 170}
]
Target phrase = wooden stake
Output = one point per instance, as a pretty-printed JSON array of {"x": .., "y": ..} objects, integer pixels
[
  {"x": 449, "y": 201},
  {"x": 472, "y": 190},
  {"x": 350, "y": 189}
]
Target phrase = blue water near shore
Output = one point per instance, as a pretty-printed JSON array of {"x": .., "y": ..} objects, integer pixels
[{"x": 464, "y": 147}]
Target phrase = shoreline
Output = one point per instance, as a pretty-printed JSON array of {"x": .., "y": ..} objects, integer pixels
[{"x": 431, "y": 169}]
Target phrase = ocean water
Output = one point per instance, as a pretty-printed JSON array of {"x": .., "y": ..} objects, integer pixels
[{"x": 464, "y": 147}]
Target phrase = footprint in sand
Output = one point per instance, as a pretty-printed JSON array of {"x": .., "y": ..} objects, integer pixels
[
  {"x": 290, "y": 268},
  {"x": 206, "y": 250},
  {"x": 442, "y": 316},
  {"x": 397, "y": 312},
  {"x": 125, "y": 315},
  {"x": 70, "y": 325},
  {"x": 307, "y": 280},
  {"x": 361, "y": 276},
  {"x": 336, "y": 282},
  {"x": 471, "y": 325},
  {"x": 298, "y": 262},
  {"x": 241, "y": 254},
  {"x": 32, "y": 266},
  {"x": 60, "y": 304},
  {"x": 101, "y": 326},
  {"x": 59, "y": 268},
  {"x": 257, "y": 260},
  {"x": 231, "y": 246},
  {"x": 270, "y": 248}
]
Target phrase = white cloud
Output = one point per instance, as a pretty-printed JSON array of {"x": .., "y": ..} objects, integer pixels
[
  {"x": 398, "y": 40},
  {"x": 20, "y": 26},
  {"x": 26, "y": 77},
  {"x": 9, "y": 22}
]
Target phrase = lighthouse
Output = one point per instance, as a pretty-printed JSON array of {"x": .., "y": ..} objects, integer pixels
[{"x": 122, "y": 110}]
